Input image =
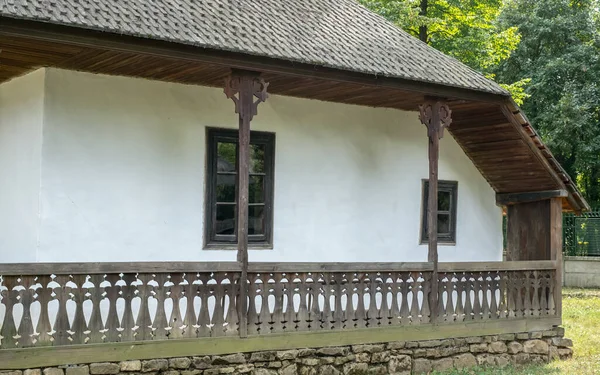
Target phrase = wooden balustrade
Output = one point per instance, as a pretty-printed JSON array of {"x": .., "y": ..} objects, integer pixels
[
  {"x": 325, "y": 301},
  {"x": 68, "y": 304}
]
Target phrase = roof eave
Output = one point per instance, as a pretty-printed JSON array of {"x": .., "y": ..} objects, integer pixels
[
  {"x": 575, "y": 199},
  {"x": 76, "y": 35}
]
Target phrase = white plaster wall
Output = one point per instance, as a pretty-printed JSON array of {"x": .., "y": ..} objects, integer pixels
[
  {"x": 123, "y": 177},
  {"x": 21, "y": 118}
]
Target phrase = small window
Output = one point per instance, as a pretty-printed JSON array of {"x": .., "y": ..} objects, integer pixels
[
  {"x": 446, "y": 219},
  {"x": 222, "y": 187}
]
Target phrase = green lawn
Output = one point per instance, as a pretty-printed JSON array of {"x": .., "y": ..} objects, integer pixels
[{"x": 581, "y": 319}]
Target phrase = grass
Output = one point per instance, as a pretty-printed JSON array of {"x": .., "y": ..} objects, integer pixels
[{"x": 581, "y": 319}]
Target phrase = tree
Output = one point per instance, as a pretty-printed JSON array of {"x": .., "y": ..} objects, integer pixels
[
  {"x": 465, "y": 29},
  {"x": 559, "y": 52}
]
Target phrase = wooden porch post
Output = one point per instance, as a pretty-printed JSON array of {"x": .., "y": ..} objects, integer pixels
[
  {"x": 436, "y": 116},
  {"x": 556, "y": 247},
  {"x": 251, "y": 90},
  {"x": 534, "y": 232}
]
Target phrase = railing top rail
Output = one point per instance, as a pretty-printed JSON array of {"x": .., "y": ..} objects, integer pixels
[
  {"x": 339, "y": 267},
  {"x": 265, "y": 267},
  {"x": 165, "y": 267},
  {"x": 532, "y": 265},
  {"x": 18, "y": 269}
]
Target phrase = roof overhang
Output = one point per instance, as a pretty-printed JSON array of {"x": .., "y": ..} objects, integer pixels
[{"x": 490, "y": 128}]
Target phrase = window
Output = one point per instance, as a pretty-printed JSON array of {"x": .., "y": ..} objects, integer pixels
[
  {"x": 222, "y": 187},
  {"x": 446, "y": 220}
]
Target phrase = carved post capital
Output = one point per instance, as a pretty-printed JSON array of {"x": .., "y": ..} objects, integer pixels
[
  {"x": 436, "y": 116},
  {"x": 247, "y": 90}
]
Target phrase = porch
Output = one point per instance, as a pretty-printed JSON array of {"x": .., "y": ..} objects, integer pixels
[{"x": 95, "y": 312}]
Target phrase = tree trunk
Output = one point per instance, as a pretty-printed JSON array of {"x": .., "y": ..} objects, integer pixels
[{"x": 423, "y": 32}]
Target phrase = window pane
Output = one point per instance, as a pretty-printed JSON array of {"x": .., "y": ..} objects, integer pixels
[
  {"x": 226, "y": 218},
  {"x": 443, "y": 223},
  {"x": 256, "y": 220},
  {"x": 256, "y": 189},
  {"x": 226, "y": 157},
  {"x": 257, "y": 158},
  {"x": 444, "y": 200},
  {"x": 226, "y": 188}
]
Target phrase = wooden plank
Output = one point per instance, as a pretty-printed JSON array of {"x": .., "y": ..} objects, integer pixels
[
  {"x": 128, "y": 293},
  {"x": 435, "y": 115},
  {"x": 58, "y": 356},
  {"x": 531, "y": 145},
  {"x": 506, "y": 199},
  {"x": 497, "y": 266},
  {"x": 112, "y": 321},
  {"x": 61, "y": 325},
  {"x": 95, "y": 324},
  {"x": 243, "y": 107},
  {"x": 9, "y": 299},
  {"x": 528, "y": 231},
  {"x": 338, "y": 267},
  {"x": 556, "y": 245},
  {"x": 203, "y": 317},
  {"x": 18, "y": 269},
  {"x": 44, "y": 296},
  {"x": 78, "y": 326}
]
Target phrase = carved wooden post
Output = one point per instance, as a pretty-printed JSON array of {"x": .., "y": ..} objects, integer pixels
[
  {"x": 436, "y": 116},
  {"x": 251, "y": 90}
]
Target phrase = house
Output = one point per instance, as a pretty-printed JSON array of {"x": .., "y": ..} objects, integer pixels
[{"x": 155, "y": 153}]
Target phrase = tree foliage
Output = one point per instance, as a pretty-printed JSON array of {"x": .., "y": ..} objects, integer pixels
[
  {"x": 465, "y": 29},
  {"x": 559, "y": 52}
]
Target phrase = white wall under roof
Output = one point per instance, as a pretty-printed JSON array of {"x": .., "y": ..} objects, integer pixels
[
  {"x": 21, "y": 118},
  {"x": 123, "y": 164}
]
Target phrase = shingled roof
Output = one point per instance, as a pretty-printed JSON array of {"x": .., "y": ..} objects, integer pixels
[{"x": 337, "y": 34}]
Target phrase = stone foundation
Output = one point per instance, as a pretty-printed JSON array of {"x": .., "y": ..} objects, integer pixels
[{"x": 410, "y": 357}]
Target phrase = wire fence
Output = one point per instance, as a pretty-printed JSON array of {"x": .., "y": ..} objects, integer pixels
[{"x": 582, "y": 234}]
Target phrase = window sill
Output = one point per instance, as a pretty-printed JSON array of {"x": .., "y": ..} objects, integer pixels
[
  {"x": 440, "y": 243},
  {"x": 231, "y": 247}
]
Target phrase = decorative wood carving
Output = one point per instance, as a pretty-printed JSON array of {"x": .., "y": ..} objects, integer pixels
[
  {"x": 247, "y": 90},
  {"x": 436, "y": 116}
]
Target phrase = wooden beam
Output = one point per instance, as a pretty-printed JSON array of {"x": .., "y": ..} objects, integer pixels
[
  {"x": 19, "y": 269},
  {"x": 556, "y": 247},
  {"x": 436, "y": 116},
  {"x": 22, "y": 269},
  {"x": 19, "y": 359},
  {"x": 506, "y": 199},
  {"x": 339, "y": 267},
  {"x": 243, "y": 87},
  {"x": 117, "y": 42},
  {"x": 498, "y": 266},
  {"x": 528, "y": 231}
]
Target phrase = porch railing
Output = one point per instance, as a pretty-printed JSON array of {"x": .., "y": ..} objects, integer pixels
[{"x": 69, "y": 304}]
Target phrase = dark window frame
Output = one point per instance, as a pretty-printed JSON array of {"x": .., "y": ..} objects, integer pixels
[
  {"x": 212, "y": 240},
  {"x": 443, "y": 238}
]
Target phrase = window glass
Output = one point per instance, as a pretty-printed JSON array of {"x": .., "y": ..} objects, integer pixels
[
  {"x": 222, "y": 187},
  {"x": 446, "y": 218}
]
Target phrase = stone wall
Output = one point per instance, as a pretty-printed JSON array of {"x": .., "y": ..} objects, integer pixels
[{"x": 399, "y": 358}]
